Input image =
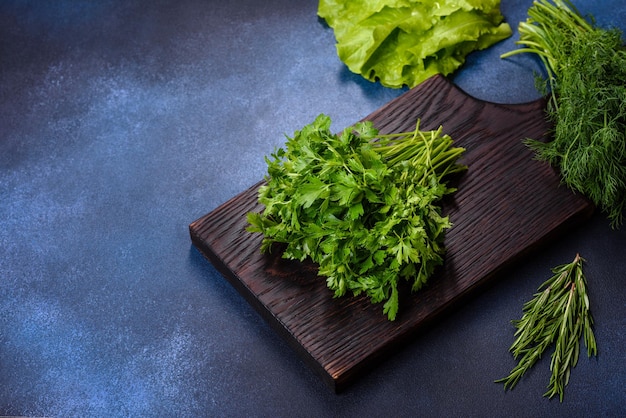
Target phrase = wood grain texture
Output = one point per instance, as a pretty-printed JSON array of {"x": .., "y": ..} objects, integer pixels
[{"x": 507, "y": 204}]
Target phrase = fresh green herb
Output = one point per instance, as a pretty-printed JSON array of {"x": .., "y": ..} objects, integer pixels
[
  {"x": 586, "y": 69},
  {"x": 362, "y": 205},
  {"x": 404, "y": 42},
  {"x": 558, "y": 313}
]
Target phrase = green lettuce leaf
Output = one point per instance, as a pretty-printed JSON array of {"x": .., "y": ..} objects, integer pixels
[{"x": 404, "y": 42}]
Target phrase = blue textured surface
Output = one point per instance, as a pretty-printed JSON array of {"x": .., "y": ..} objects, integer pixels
[{"x": 123, "y": 121}]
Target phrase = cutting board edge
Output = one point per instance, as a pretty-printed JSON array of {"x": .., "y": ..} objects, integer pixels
[
  {"x": 344, "y": 380},
  {"x": 576, "y": 218},
  {"x": 209, "y": 254}
]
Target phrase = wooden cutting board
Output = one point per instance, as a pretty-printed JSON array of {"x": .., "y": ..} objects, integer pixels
[{"x": 507, "y": 204}]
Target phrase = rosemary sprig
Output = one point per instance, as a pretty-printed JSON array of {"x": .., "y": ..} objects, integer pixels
[{"x": 558, "y": 313}]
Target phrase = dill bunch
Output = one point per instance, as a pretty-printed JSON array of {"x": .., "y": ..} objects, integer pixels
[{"x": 586, "y": 69}]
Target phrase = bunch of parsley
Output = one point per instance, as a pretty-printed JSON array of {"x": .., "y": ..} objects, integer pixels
[{"x": 361, "y": 205}]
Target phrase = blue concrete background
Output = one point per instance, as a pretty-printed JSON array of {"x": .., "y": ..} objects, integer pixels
[{"x": 123, "y": 121}]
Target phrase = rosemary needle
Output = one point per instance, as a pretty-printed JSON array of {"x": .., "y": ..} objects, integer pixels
[{"x": 558, "y": 313}]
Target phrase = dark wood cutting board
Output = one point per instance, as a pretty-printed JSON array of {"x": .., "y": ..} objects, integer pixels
[{"x": 507, "y": 204}]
